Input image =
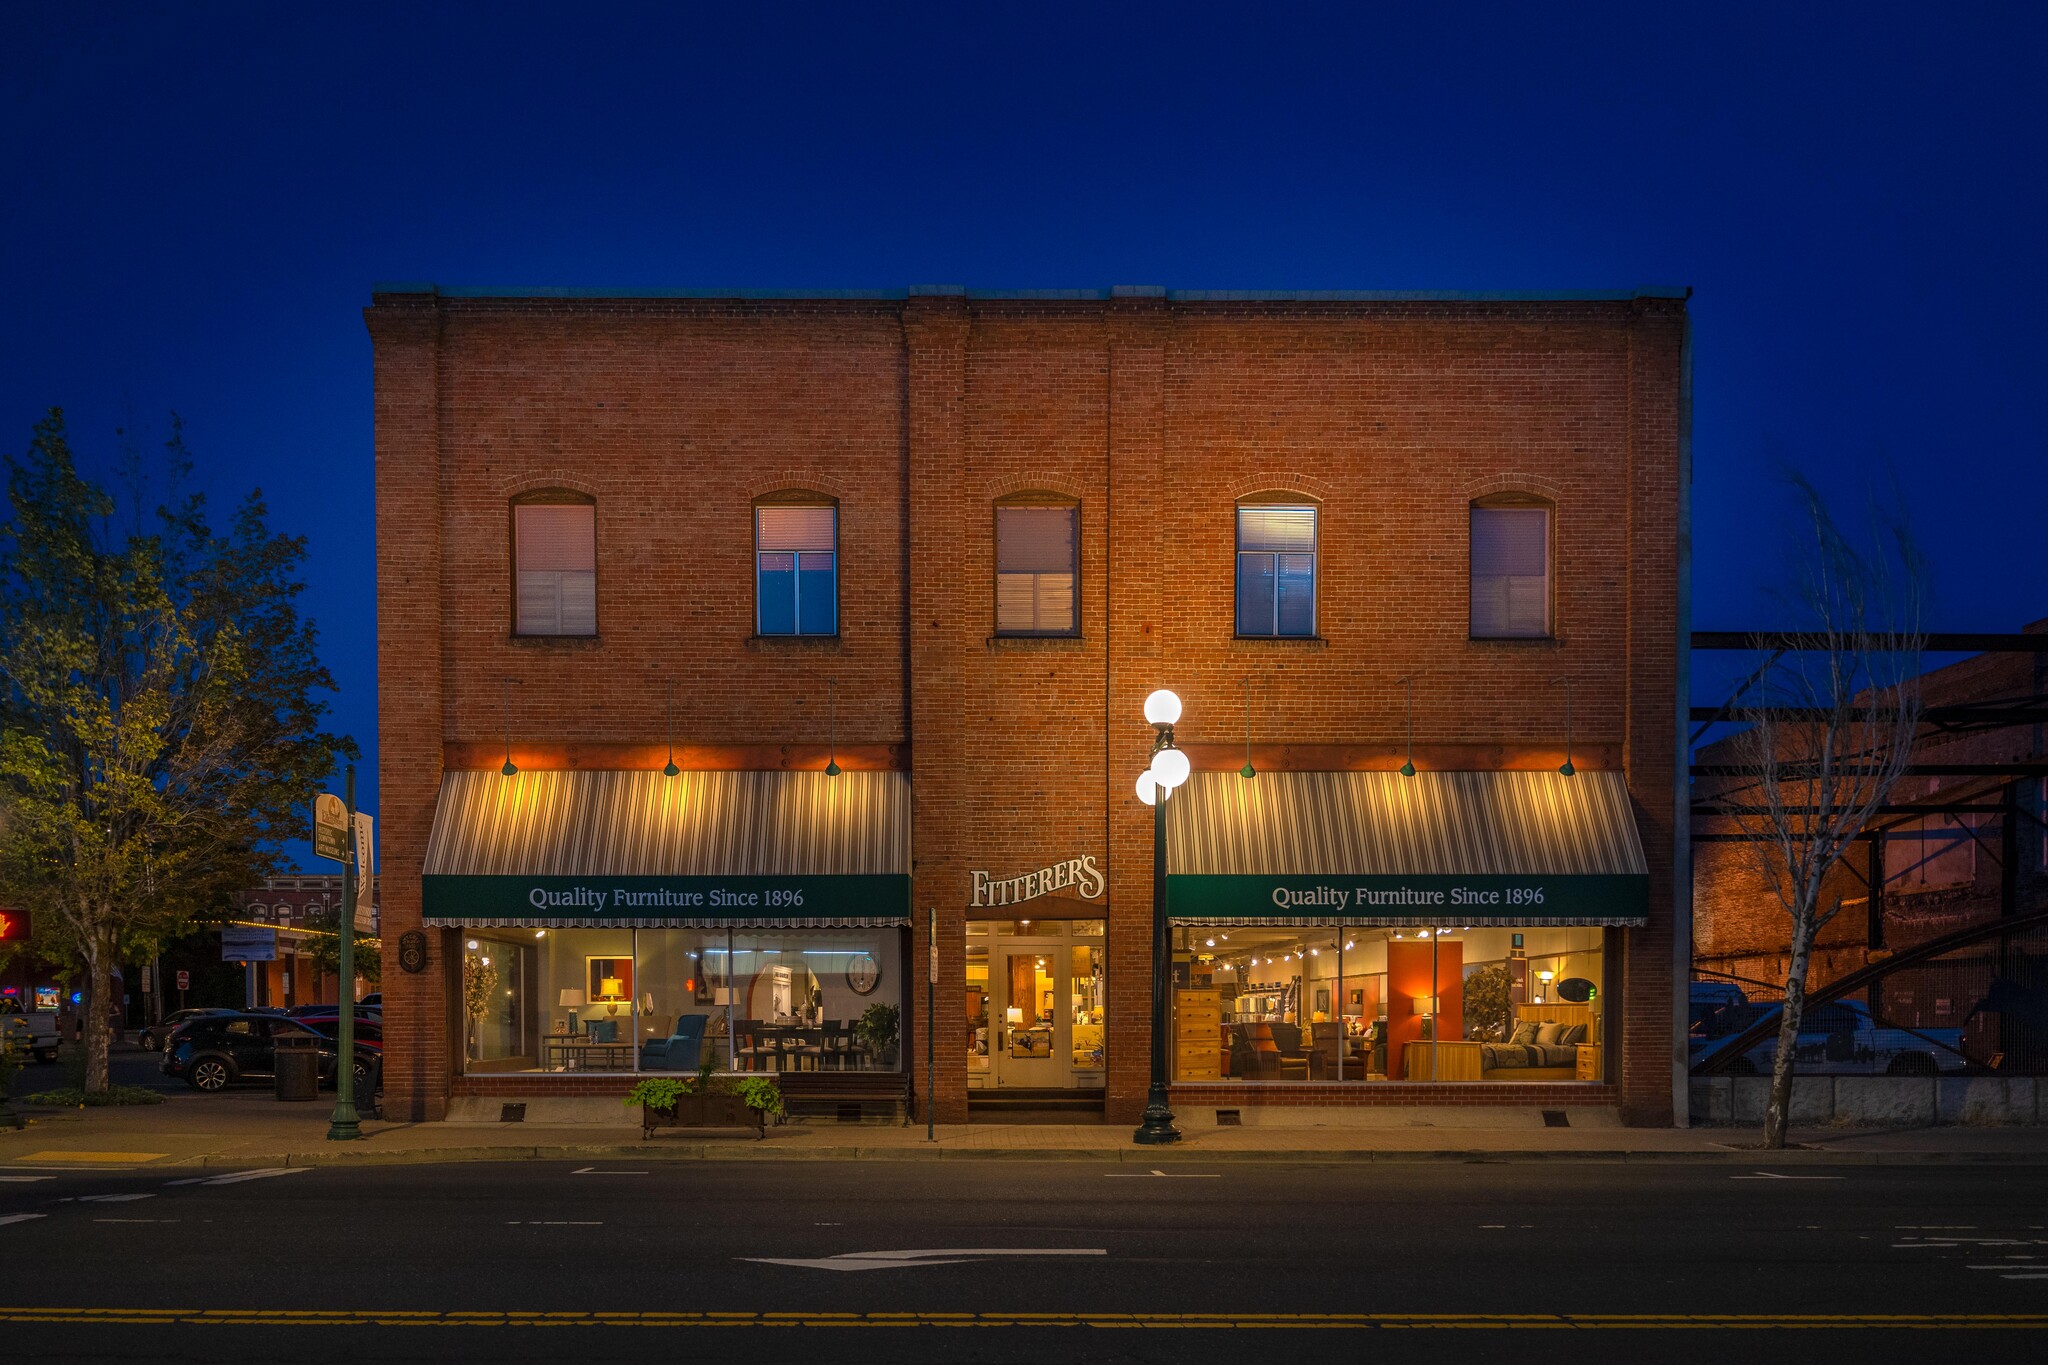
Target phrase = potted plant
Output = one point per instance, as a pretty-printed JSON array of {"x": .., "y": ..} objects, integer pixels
[
  {"x": 701, "y": 1102},
  {"x": 876, "y": 1030}
]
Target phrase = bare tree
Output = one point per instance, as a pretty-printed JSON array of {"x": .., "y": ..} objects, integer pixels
[{"x": 1831, "y": 731}]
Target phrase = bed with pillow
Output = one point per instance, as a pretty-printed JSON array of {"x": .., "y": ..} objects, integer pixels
[{"x": 1543, "y": 1046}]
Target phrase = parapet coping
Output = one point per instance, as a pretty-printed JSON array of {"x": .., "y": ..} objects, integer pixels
[{"x": 384, "y": 288}]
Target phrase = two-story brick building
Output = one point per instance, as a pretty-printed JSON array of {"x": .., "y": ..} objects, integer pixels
[{"x": 732, "y": 647}]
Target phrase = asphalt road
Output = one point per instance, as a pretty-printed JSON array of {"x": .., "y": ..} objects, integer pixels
[{"x": 1572, "y": 1261}]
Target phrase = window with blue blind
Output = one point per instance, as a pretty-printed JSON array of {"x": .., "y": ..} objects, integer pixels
[
  {"x": 796, "y": 570},
  {"x": 1276, "y": 571},
  {"x": 1510, "y": 573}
]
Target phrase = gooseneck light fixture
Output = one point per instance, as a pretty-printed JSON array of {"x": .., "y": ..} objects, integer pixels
[
  {"x": 670, "y": 769},
  {"x": 1566, "y": 767},
  {"x": 832, "y": 768},
  {"x": 510, "y": 769},
  {"x": 1168, "y": 769},
  {"x": 1247, "y": 770},
  {"x": 1408, "y": 764}
]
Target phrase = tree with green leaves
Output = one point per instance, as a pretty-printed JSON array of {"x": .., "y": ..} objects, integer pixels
[
  {"x": 162, "y": 701},
  {"x": 324, "y": 947}
]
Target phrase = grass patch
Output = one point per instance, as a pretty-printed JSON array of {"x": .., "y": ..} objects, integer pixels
[{"x": 72, "y": 1097}]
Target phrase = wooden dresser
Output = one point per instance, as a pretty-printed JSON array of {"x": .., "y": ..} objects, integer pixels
[{"x": 1198, "y": 1035}]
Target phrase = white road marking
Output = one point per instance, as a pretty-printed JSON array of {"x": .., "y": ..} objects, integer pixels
[
  {"x": 1773, "y": 1175},
  {"x": 111, "y": 1198},
  {"x": 134, "y": 1220},
  {"x": 907, "y": 1260},
  {"x": 19, "y": 1218},
  {"x": 592, "y": 1170},
  {"x": 25, "y": 1179},
  {"x": 1148, "y": 1175},
  {"x": 554, "y": 1223},
  {"x": 239, "y": 1176}
]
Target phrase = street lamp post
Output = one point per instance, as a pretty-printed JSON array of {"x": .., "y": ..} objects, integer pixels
[{"x": 1169, "y": 768}]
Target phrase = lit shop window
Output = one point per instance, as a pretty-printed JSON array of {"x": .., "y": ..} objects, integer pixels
[
  {"x": 1510, "y": 572},
  {"x": 554, "y": 548},
  {"x": 796, "y": 570},
  {"x": 1037, "y": 567},
  {"x": 1276, "y": 571},
  {"x": 1374, "y": 1004}
]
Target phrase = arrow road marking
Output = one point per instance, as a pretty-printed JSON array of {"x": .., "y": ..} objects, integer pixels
[
  {"x": 900, "y": 1260},
  {"x": 24, "y": 1179},
  {"x": 20, "y": 1218},
  {"x": 1147, "y": 1175},
  {"x": 239, "y": 1176},
  {"x": 1773, "y": 1175},
  {"x": 112, "y": 1198}
]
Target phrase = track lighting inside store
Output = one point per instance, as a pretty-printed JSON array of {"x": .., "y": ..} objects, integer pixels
[{"x": 1208, "y": 943}]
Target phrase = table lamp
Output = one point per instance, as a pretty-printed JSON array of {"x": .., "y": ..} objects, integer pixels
[{"x": 571, "y": 1000}]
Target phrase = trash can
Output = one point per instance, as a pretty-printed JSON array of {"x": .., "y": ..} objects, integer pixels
[{"x": 298, "y": 1066}]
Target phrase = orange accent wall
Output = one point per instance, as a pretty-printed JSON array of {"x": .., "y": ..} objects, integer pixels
[{"x": 1408, "y": 965}]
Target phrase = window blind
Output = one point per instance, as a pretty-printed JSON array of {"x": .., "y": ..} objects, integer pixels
[
  {"x": 795, "y": 528},
  {"x": 1276, "y": 530},
  {"x": 1510, "y": 572},
  {"x": 1035, "y": 570},
  {"x": 555, "y": 550}
]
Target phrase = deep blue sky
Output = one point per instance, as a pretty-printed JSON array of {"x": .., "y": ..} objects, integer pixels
[{"x": 194, "y": 201}]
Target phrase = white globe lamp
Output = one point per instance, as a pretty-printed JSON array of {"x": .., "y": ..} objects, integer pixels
[
  {"x": 1162, "y": 708},
  {"x": 1170, "y": 768},
  {"x": 1148, "y": 788}
]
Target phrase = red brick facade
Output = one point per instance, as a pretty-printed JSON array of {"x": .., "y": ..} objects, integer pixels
[{"x": 1156, "y": 412}]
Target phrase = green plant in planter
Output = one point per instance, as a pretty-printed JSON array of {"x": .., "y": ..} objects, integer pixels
[
  {"x": 876, "y": 1028},
  {"x": 660, "y": 1092},
  {"x": 759, "y": 1094}
]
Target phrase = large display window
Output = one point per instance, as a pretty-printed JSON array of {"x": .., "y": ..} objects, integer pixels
[
  {"x": 634, "y": 1000},
  {"x": 1373, "y": 1004}
]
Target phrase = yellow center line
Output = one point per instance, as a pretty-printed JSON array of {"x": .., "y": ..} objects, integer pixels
[{"x": 403, "y": 1317}]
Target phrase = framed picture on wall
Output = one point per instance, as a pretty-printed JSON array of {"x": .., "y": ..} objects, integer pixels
[
  {"x": 1358, "y": 1000},
  {"x": 703, "y": 991},
  {"x": 610, "y": 980},
  {"x": 1323, "y": 1001}
]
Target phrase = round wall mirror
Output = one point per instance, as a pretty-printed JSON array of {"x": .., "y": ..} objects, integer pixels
[{"x": 1577, "y": 989}]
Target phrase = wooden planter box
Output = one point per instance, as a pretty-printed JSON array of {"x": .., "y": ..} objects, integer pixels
[{"x": 703, "y": 1111}]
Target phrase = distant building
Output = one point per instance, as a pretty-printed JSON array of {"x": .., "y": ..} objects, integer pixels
[{"x": 296, "y": 906}]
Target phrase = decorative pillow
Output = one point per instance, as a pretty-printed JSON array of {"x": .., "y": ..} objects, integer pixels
[
  {"x": 1573, "y": 1035},
  {"x": 1548, "y": 1034},
  {"x": 1525, "y": 1034}
]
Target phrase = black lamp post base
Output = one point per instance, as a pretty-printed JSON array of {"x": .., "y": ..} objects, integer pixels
[{"x": 1156, "y": 1128}]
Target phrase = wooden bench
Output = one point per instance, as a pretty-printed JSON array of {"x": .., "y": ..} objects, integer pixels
[{"x": 845, "y": 1095}]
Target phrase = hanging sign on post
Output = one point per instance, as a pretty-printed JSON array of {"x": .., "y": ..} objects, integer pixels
[{"x": 330, "y": 827}]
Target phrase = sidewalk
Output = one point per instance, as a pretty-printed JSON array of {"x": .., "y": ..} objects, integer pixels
[{"x": 254, "y": 1129}]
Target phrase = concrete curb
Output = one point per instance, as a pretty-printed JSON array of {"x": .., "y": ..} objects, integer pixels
[{"x": 1148, "y": 1157}]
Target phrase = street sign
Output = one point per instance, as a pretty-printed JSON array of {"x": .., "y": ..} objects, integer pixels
[
  {"x": 365, "y": 862},
  {"x": 248, "y": 943},
  {"x": 184, "y": 981},
  {"x": 330, "y": 827}
]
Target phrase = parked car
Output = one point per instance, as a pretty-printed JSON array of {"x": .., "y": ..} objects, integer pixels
[
  {"x": 33, "y": 1031},
  {"x": 217, "y": 1051},
  {"x": 154, "y": 1036},
  {"x": 375, "y": 1000},
  {"x": 1840, "y": 1038},
  {"x": 331, "y": 1011}
]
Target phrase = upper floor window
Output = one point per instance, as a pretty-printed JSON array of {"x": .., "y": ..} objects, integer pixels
[
  {"x": 796, "y": 570},
  {"x": 1037, "y": 567},
  {"x": 1276, "y": 570},
  {"x": 1510, "y": 571},
  {"x": 554, "y": 550}
]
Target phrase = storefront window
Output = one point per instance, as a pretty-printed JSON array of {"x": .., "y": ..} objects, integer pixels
[
  {"x": 625, "y": 1000},
  {"x": 1387, "y": 1003}
]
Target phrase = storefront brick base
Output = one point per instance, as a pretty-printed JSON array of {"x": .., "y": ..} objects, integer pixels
[{"x": 1546, "y": 1094}]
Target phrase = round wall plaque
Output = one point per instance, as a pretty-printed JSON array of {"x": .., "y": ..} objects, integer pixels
[{"x": 412, "y": 951}]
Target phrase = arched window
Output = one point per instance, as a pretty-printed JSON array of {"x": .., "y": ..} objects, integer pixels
[
  {"x": 554, "y": 556},
  {"x": 1038, "y": 565},
  {"x": 1511, "y": 567},
  {"x": 796, "y": 565},
  {"x": 1276, "y": 568}
]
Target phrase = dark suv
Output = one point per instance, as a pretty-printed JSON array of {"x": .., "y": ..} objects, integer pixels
[{"x": 218, "y": 1050}]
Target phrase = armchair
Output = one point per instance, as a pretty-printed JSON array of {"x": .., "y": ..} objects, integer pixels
[{"x": 679, "y": 1051}]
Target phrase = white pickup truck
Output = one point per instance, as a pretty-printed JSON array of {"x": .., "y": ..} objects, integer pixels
[{"x": 34, "y": 1032}]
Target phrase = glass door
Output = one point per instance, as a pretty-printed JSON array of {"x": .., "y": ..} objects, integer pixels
[{"x": 1030, "y": 1020}]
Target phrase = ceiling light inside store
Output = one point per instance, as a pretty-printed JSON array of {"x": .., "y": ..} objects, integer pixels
[
  {"x": 471, "y": 945},
  {"x": 1208, "y": 943}
]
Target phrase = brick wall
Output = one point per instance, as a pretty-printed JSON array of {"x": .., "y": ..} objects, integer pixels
[{"x": 1156, "y": 414}]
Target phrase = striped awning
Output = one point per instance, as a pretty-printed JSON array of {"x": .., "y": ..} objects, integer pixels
[
  {"x": 701, "y": 849},
  {"x": 1443, "y": 847}
]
